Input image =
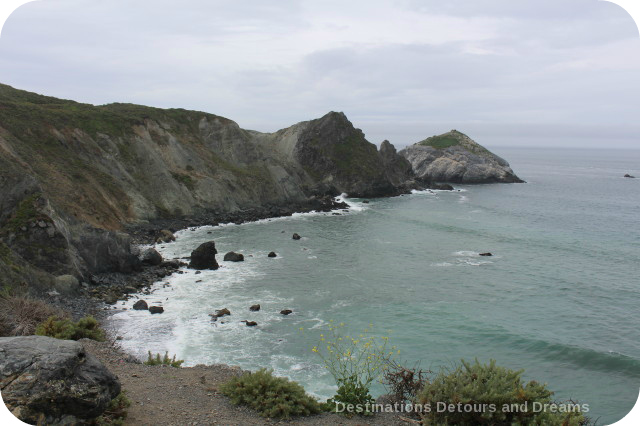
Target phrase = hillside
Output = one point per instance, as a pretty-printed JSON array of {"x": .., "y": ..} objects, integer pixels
[{"x": 73, "y": 175}]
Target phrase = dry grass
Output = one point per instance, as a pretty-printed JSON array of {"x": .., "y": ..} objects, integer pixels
[{"x": 20, "y": 315}]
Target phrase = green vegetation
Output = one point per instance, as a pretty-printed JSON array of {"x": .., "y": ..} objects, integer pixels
[
  {"x": 64, "y": 328},
  {"x": 25, "y": 213},
  {"x": 116, "y": 412},
  {"x": 165, "y": 360},
  {"x": 354, "y": 363},
  {"x": 441, "y": 142},
  {"x": 274, "y": 397},
  {"x": 477, "y": 384},
  {"x": 185, "y": 179}
]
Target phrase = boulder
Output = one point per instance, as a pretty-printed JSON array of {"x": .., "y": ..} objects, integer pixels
[
  {"x": 204, "y": 257},
  {"x": 441, "y": 186},
  {"x": 233, "y": 257},
  {"x": 140, "y": 305},
  {"x": 286, "y": 311},
  {"x": 629, "y": 176},
  {"x": 46, "y": 380},
  {"x": 486, "y": 254},
  {"x": 165, "y": 236},
  {"x": 296, "y": 236},
  {"x": 151, "y": 257},
  {"x": 272, "y": 254},
  {"x": 254, "y": 308},
  {"x": 156, "y": 309},
  {"x": 66, "y": 284},
  {"x": 250, "y": 323},
  {"x": 222, "y": 312}
]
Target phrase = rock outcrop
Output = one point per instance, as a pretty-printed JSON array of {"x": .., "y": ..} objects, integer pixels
[
  {"x": 204, "y": 257},
  {"x": 233, "y": 257},
  {"x": 455, "y": 158},
  {"x": 397, "y": 168},
  {"x": 46, "y": 380}
]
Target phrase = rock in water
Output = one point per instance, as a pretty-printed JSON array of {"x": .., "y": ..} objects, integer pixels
[
  {"x": 296, "y": 236},
  {"x": 165, "y": 236},
  {"x": 629, "y": 176},
  {"x": 140, "y": 305},
  {"x": 397, "y": 168},
  {"x": 455, "y": 157},
  {"x": 286, "y": 311},
  {"x": 156, "y": 309},
  {"x": 485, "y": 254},
  {"x": 254, "y": 308},
  {"x": 272, "y": 254},
  {"x": 233, "y": 257},
  {"x": 151, "y": 257},
  {"x": 204, "y": 257},
  {"x": 250, "y": 323},
  {"x": 222, "y": 312},
  {"x": 46, "y": 380}
]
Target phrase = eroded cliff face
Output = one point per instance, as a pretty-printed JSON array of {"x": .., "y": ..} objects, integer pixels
[
  {"x": 73, "y": 175},
  {"x": 454, "y": 157}
]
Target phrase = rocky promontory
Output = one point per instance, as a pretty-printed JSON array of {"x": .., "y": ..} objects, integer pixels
[{"x": 455, "y": 158}]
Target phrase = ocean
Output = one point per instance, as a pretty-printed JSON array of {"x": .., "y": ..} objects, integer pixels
[{"x": 559, "y": 297}]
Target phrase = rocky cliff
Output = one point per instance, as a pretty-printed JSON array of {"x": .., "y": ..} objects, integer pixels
[
  {"x": 73, "y": 175},
  {"x": 454, "y": 157}
]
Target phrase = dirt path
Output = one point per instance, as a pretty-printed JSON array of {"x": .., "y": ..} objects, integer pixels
[{"x": 162, "y": 395}]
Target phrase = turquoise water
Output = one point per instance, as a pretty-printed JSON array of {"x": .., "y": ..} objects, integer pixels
[{"x": 559, "y": 298}]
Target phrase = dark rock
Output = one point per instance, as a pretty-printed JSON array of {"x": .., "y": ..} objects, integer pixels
[
  {"x": 222, "y": 312},
  {"x": 250, "y": 323},
  {"x": 441, "y": 186},
  {"x": 156, "y": 309},
  {"x": 151, "y": 257},
  {"x": 233, "y": 257},
  {"x": 165, "y": 236},
  {"x": 272, "y": 254},
  {"x": 397, "y": 168},
  {"x": 140, "y": 305},
  {"x": 46, "y": 380},
  {"x": 254, "y": 308},
  {"x": 486, "y": 254},
  {"x": 629, "y": 176},
  {"x": 365, "y": 201},
  {"x": 286, "y": 311},
  {"x": 198, "y": 272},
  {"x": 296, "y": 236},
  {"x": 204, "y": 257}
]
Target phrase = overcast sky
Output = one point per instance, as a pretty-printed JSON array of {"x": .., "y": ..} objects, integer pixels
[{"x": 506, "y": 72}]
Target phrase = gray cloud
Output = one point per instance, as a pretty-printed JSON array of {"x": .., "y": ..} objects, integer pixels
[{"x": 514, "y": 72}]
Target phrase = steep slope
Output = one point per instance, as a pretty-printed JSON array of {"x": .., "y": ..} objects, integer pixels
[
  {"x": 73, "y": 175},
  {"x": 454, "y": 157}
]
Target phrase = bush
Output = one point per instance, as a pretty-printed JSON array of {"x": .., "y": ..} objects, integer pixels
[
  {"x": 20, "y": 315},
  {"x": 473, "y": 385},
  {"x": 403, "y": 383},
  {"x": 64, "y": 328},
  {"x": 116, "y": 412},
  {"x": 165, "y": 360},
  {"x": 274, "y": 397},
  {"x": 354, "y": 363}
]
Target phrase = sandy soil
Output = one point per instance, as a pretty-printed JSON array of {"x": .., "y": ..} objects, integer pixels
[{"x": 163, "y": 395}]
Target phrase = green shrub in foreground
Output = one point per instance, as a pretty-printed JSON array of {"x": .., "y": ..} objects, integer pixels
[
  {"x": 495, "y": 386},
  {"x": 274, "y": 397},
  {"x": 116, "y": 412},
  {"x": 165, "y": 360},
  {"x": 64, "y": 328}
]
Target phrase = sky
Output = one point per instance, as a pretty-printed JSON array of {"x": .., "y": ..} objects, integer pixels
[{"x": 505, "y": 72}]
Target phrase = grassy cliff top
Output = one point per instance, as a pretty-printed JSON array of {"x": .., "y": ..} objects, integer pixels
[{"x": 454, "y": 138}]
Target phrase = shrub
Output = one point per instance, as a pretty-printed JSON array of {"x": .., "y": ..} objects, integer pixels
[
  {"x": 116, "y": 412},
  {"x": 64, "y": 328},
  {"x": 354, "y": 363},
  {"x": 165, "y": 360},
  {"x": 403, "y": 383},
  {"x": 473, "y": 385},
  {"x": 274, "y": 397},
  {"x": 20, "y": 315}
]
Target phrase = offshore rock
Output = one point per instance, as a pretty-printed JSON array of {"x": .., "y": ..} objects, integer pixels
[
  {"x": 456, "y": 158},
  {"x": 204, "y": 257},
  {"x": 233, "y": 257}
]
